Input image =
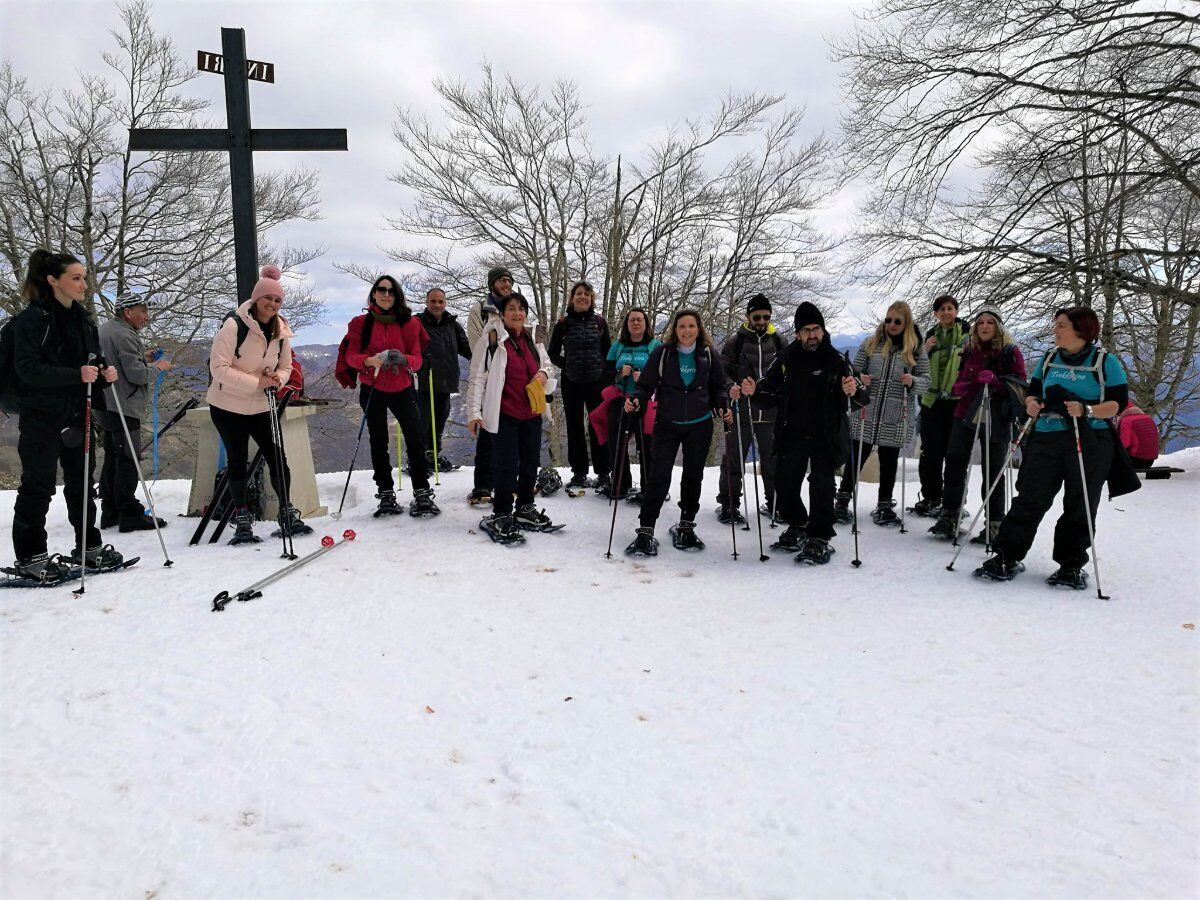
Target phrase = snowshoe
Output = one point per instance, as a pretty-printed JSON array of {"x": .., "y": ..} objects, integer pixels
[
  {"x": 243, "y": 529},
  {"x": 885, "y": 514},
  {"x": 530, "y": 518},
  {"x": 842, "y": 514},
  {"x": 928, "y": 509},
  {"x": 501, "y": 529},
  {"x": 103, "y": 558},
  {"x": 945, "y": 529},
  {"x": 792, "y": 540},
  {"x": 643, "y": 544},
  {"x": 577, "y": 486},
  {"x": 604, "y": 485},
  {"x": 984, "y": 538},
  {"x": 683, "y": 536},
  {"x": 41, "y": 570},
  {"x": 1069, "y": 577},
  {"x": 766, "y": 512},
  {"x": 296, "y": 526},
  {"x": 143, "y": 522},
  {"x": 548, "y": 482},
  {"x": 387, "y": 505},
  {"x": 999, "y": 569},
  {"x": 479, "y": 495},
  {"x": 422, "y": 506},
  {"x": 447, "y": 465},
  {"x": 634, "y": 496},
  {"x": 815, "y": 552},
  {"x": 726, "y": 514}
]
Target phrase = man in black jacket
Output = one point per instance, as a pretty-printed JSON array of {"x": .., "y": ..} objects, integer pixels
[
  {"x": 439, "y": 377},
  {"x": 813, "y": 387}
]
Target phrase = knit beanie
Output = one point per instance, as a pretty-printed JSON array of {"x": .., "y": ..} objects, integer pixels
[
  {"x": 990, "y": 310},
  {"x": 496, "y": 274},
  {"x": 268, "y": 283},
  {"x": 129, "y": 300},
  {"x": 807, "y": 314},
  {"x": 758, "y": 302}
]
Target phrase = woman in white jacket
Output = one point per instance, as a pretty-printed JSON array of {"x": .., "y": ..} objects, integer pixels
[{"x": 506, "y": 396}]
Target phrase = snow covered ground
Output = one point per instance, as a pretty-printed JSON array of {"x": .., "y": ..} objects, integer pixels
[{"x": 424, "y": 713}]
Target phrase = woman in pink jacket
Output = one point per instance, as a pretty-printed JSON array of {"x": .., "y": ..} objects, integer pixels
[
  {"x": 237, "y": 400},
  {"x": 385, "y": 347}
]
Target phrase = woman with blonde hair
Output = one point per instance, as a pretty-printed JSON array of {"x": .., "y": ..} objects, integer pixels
[
  {"x": 990, "y": 359},
  {"x": 894, "y": 364}
]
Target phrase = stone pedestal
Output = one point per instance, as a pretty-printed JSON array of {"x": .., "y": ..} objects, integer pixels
[{"x": 299, "y": 458}]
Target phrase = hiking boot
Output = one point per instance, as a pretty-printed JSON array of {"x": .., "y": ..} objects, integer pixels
[
  {"x": 387, "y": 504},
  {"x": 531, "y": 518},
  {"x": 643, "y": 543},
  {"x": 945, "y": 528},
  {"x": 142, "y": 522},
  {"x": 683, "y": 536},
  {"x": 102, "y": 556},
  {"x": 243, "y": 532},
  {"x": 987, "y": 536},
  {"x": 290, "y": 520},
  {"x": 792, "y": 540},
  {"x": 422, "y": 506},
  {"x": 767, "y": 513},
  {"x": 446, "y": 465},
  {"x": 885, "y": 514},
  {"x": 109, "y": 518},
  {"x": 1069, "y": 576},
  {"x": 726, "y": 514},
  {"x": 502, "y": 529},
  {"x": 604, "y": 485},
  {"x": 815, "y": 552},
  {"x": 929, "y": 509},
  {"x": 579, "y": 483},
  {"x": 841, "y": 509},
  {"x": 1000, "y": 569},
  {"x": 43, "y": 567},
  {"x": 479, "y": 495}
]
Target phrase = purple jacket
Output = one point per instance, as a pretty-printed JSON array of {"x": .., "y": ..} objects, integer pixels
[{"x": 1005, "y": 363}]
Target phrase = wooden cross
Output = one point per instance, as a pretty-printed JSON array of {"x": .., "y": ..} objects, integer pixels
[{"x": 240, "y": 141}]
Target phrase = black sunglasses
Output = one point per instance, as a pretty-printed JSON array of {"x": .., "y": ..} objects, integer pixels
[
  {"x": 386, "y": 290},
  {"x": 893, "y": 321},
  {"x": 766, "y": 317}
]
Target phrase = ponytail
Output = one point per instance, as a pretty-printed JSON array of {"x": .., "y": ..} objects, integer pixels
[{"x": 43, "y": 263}]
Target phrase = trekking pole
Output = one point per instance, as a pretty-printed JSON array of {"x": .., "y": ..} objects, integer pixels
[
  {"x": 399, "y": 460},
  {"x": 1087, "y": 502},
  {"x": 190, "y": 403},
  {"x": 138, "y": 468},
  {"x": 1016, "y": 442},
  {"x": 904, "y": 456},
  {"x": 620, "y": 462},
  {"x": 762, "y": 556},
  {"x": 966, "y": 491},
  {"x": 857, "y": 561},
  {"x": 737, "y": 425},
  {"x": 358, "y": 443},
  {"x": 437, "y": 478},
  {"x": 254, "y": 591},
  {"x": 158, "y": 380},
  {"x": 285, "y": 524},
  {"x": 729, "y": 476},
  {"x": 987, "y": 470},
  {"x": 87, "y": 482}
]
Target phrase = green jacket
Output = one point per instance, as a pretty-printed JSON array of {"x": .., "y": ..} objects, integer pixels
[{"x": 944, "y": 361}]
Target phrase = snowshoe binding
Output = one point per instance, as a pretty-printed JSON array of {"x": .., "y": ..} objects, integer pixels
[
  {"x": 634, "y": 496},
  {"x": 290, "y": 519},
  {"x": 927, "y": 509},
  {"x": 842, "y": 514},
  {"x": 548, "y": 482},
  {"x": 792, "y": 540},
  {"x": 815, "y": 552},
  {"x": 644, "y": 543},
  {"x": 387, "y": 505},
  {"x": 40, "y": 570},
  {"x": 243, "y": 532},
  {"x": 102, "y": 558},
  {"x": 530, "y": 518},
  {"x": 726, "y": 514},
  {"x": 501, "y": 529},
  {"x": 945, "y": 529},
  {"x": 885, "y": 516},
  {"x": 578, "y": 485},
  {"x": 683, "y": 536},
  {"x": 999, "y": 569},
  {"x": 442, "y": 464},
  {"x": 422, "y": 506},
  {"x": 1069, "y": 577},
  {"x": 479, "y": 496}
]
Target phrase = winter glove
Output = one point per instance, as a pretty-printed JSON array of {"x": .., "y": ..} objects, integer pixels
[
  {"x": 537, "y": 397},
  {"x": 986, "y": 377},
  {"x": 393, "y": 360}
]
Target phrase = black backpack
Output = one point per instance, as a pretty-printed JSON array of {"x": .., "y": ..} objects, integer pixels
[
  {"x": 10, "y": 384},
  {"x": 242, "y": 331}
]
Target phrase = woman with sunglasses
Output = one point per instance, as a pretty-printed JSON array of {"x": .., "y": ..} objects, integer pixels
[
  {"x": 626, "y": 358},
  {"x": 894, "y": 365},
  {"x": 385, "y": 346}
]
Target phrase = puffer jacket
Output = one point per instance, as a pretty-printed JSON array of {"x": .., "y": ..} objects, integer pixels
[
  {"x": 661, "y": 380},
  {"x": 234, "y": 385},
  {"x": 50, "y": 345},
  {"x": 579, "y": 346},
  {"x": 747, "y": 354},
  {"x": 409, "y": 338},
  {"x": 890, "y": 419}
]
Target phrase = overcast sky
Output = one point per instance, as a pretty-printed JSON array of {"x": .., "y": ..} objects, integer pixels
[{"x": 640, "y": 67}]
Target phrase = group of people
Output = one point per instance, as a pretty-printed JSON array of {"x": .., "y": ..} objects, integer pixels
[{"x": 801, "y": 410}]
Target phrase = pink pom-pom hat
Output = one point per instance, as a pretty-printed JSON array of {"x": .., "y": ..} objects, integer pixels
[{"x": 269, "y": 283}]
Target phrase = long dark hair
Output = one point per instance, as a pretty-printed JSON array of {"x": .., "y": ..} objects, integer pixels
[
  {"x": 647, "y": 335},
  {"x": 43, "y": 263},
  {"x": 399, "y": 308}
]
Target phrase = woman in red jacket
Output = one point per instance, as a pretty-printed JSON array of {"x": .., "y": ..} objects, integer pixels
[{"x": 385, "y": 348}]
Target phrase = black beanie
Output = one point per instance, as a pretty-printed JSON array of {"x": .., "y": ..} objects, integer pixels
[
  {"x": 807, "y": 314},
  {"x": 758, "y": 302},
  {"x": 496, "y": 274}
]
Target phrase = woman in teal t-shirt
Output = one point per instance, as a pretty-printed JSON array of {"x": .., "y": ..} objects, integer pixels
[
  {"x": 1075, "y": 390},
  {"x": 626, "y": 359}
]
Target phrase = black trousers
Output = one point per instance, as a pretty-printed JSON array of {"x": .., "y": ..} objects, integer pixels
[
  {"x": 118, "y": 475},
  {"x": 794, "y": 460},
  {"x": 236, "y": 430},
  {"x": 484, "y": 460},
  {"x": 1051, "y": 463},
  {"x": 41, "y": 449},
  {"x": 729, "y": 488},
  {"x": 889, "y": 458},
  {"x": 958, "y": 459},
  {"x": 665, "y": 443},
  {"x": 440, "y": 412},
  {"x": 936, "y": 423},
  {"x": 631, "y": 424},
  {"x": 402, "y": 405},
  {"x": 518, "y": 449},
  {"x": 579, "y": 400}
]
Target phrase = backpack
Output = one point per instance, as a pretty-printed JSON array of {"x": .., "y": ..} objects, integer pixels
[
  {"x": 10, "y": 384},
  {"x": 242, "y": 331},
  {"x": 662, "y": 358},
  {"x": 342, "y": 372}
]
